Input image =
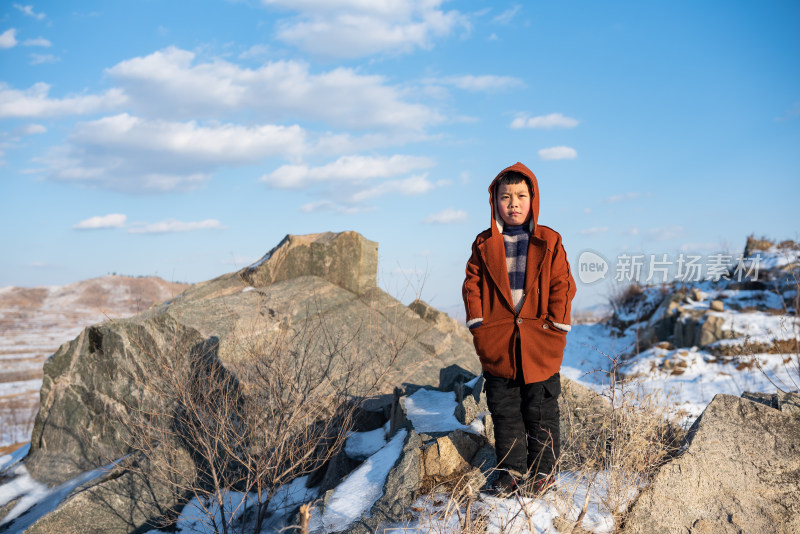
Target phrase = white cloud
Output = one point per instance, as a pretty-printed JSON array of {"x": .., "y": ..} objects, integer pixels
[
  {"x": 414, "y": 185},
  {"x": 169, "y": 83},
  {"x": 356, "y": 28},
  {"x": 350, "y": 169},
  {"x": 32, "y": 129},
  {"x": 216, "y": 144},
  {"x": 485, "y": 82},
  {"x": 127, "y": 153},
  {"x": 39, "y": 59},
  {"x": 329, "y": 206},
  {"x": 8, "y": 38},
  {"x": 558, "y": 152},
  {"x": 34, "y": 102},
  {"x": 172, "y": 226},
  {"x": 508, "y": 15},
  {"x": 39, "y": 41},
  {"x": 255, "y": 51},
  {"x": 594, "y": 231},
  {"x": 547, "y": 122},
  {"x": 447, "y": 216},
  {"x": 28, "y": 10},
  {"x": 113, "y": 220}
]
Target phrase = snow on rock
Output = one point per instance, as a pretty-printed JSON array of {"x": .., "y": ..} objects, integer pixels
[
  {"x": 292, "y": 495},
  {"x": 360, "y": 490},
  {"x": 774, "y": 257},
  {"x": 700, "y": 375},
  {"x": 7, "y": 460},
  {"x": 434, "y": 411},
  {"x": 361, "y": 445},
  {"x": 759, "y": 327},
  {"x": 34, "y": 498}
]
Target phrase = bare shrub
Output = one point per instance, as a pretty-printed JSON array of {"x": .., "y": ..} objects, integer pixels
[
  {"x": 757, "y": 243},
  {"x": 281, "y": 410},
  {"x": 624, "y": 296}
]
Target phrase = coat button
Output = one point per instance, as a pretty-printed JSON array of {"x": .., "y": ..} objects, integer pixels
[
  {"x": 545, "y": 326},
  {"x": 519, "y": 320}
]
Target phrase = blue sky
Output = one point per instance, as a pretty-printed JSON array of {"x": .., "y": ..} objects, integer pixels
[{"x": 185, "y": 139}]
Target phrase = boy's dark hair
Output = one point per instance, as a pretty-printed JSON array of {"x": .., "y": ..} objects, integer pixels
[{"x": 513, "y": 177}]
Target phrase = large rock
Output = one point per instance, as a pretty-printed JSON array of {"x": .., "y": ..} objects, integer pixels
[
  {"x": 740, "y": 473},
  {"x": 319, "y": 290},
  {"x": 90, "y": 384},
  {"x": 440, "y": 320},
  {"x": 345, "y": 259},
  {"x": 450, "y": 454}
]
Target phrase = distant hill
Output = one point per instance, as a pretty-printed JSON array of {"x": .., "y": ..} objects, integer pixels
[{"x": 35, "y": 321}]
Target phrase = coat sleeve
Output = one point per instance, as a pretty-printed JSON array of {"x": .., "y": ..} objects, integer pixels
[
  {"x": 471, "y": 289},
  {"x": 562, "y": 288}
]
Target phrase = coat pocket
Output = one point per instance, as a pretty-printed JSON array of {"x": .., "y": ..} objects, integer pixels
[
  {"x": 494, "y": 344},
  {"x": 544, "y": 343}
]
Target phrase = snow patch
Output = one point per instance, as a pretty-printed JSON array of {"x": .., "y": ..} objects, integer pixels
[
  {"x": 36, "y": 499},
  {"x": 7, "y": 460},
  {"x": 360, "y": 490},
  {"x": 361, "y": 445},
  {"x": 434, "y": 411}
]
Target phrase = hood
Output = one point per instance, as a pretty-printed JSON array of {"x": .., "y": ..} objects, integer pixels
[{"x": 497, "y": 222}]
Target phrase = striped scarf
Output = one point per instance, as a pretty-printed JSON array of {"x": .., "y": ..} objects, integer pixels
[{"x": 516, "y": 242}]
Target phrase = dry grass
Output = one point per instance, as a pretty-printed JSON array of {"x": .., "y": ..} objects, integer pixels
[
  {"x": 757, "y": 243},
  {"x": 625, "y": 295},
  {"x": 603, "y": 464}
]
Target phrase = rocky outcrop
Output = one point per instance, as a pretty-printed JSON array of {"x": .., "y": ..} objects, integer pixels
[
  {"x": 440, "y": 320},
  {"x": 740, "y": 472},
  {"x": 319, "y": 290},
  {"x": 345, "y": 259},
  {"x": 682, "y": 325}
]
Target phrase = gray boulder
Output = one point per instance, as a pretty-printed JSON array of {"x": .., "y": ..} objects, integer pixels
[
  {"x": 319, "y": 289},
  {"x": 450, "y": 455},
  {"x": 440, "y": 320},
  {"x": 345, "y": 259},
  {"x": 740, "y": 472}
]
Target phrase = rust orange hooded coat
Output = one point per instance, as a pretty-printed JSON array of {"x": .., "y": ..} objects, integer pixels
[{"x": 547, "y": 298}]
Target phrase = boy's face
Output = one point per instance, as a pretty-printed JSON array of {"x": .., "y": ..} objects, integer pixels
[{"x": 514, "y": 203}]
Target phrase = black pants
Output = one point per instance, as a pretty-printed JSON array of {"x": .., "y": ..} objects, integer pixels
[{"x": 526, "y": 421}]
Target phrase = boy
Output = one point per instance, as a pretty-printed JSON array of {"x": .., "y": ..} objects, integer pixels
[{"x": 518, "y": 294}]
